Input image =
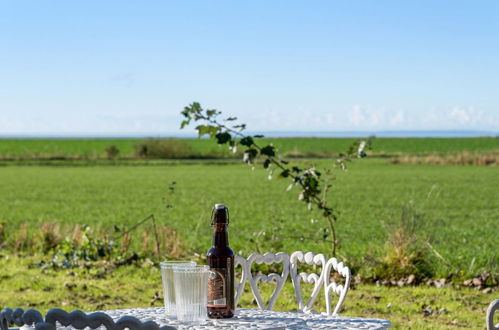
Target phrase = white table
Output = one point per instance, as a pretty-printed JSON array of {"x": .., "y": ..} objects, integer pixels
[{"x": 257, "y": 319}]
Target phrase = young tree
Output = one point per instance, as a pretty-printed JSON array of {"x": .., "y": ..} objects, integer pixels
[{"x": 313, "y": 185}]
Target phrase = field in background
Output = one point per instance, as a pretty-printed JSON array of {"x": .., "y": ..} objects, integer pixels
[
  {"x": 458, "y": 203},
  {"x": 454, "y": 208},
  {"x": 195, "y": 148}
]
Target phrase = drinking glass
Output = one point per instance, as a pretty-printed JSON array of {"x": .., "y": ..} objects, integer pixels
[
  {"x": 191, "y": 292},
  {"x": 168, "y": 287}
]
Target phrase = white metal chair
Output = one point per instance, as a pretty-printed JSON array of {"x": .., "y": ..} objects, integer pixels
[
  {"x": 241, "y": 262},
  {"x": 332, "y": 286},
  {"x": 309, "y": 258},
  {"x": 268, "y": 258},
  {"x": 493, "y": 307},
  {"x": 77, "y": 319},
  {"x": 290, "y": 267}
]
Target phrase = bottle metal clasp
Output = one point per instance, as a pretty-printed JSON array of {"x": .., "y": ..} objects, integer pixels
[{"x": 217, "y": 207}]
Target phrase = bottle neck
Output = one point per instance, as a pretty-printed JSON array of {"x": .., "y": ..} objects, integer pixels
[{"x": 220, "y": 235}]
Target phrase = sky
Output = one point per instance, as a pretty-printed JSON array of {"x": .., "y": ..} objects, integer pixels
[{"x": 129, "y": 67}]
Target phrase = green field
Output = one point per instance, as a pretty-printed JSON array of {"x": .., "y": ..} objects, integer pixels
[
  {"x": 30, "y": 148},
  {"x": 456, "y": 208},
  {"x": 459, "y": 205}
]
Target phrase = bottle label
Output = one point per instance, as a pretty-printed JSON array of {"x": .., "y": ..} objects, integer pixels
[{"x": 218, "y": 282}]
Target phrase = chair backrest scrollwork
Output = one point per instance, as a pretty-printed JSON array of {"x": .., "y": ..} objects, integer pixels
[
  {"x": 493, "y": 307},
  {"x": 309, "y": 258},
  {"x": 77, "y": 319},
  {"x": 268, "y": 258},
  {"x": 240, "y": 261},
  {"x": 332, "y": 286}
]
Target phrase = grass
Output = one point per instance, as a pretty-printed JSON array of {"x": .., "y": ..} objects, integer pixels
[
  {"x": 456, "y": 208},
  {"x": 301, "y": 147},
  {"x": 457, "y": 202},
  {"x": 106, "y": 287},
  {"x": 460, "y": 158}
]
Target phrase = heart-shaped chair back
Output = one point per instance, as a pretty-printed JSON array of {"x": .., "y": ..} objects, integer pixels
[
  {"x": 240, "y": 261},
  {"x": 332, "y": 286},
  {"x": 268, "y": 258},
  {"x": 308, "y": 258}
]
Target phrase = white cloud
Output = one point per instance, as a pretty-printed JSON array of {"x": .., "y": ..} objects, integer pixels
[
  {"x": 376, "y": 118},
  {"x": 370, "y": 117},
  {"x": 356, "y": 116},
  {"x": 273, "y": 118},
  {"x": 397, "y": 119},
  {"x": 299, "y": 119},
  {"x": 465, "y": 116},
  {"x": 329, "y": 118}
]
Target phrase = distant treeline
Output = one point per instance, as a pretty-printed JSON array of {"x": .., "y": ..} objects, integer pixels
[{"x": 74, "y": 149}]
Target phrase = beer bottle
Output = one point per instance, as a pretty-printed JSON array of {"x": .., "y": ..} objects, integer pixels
[{"x": 221, "y": 261}]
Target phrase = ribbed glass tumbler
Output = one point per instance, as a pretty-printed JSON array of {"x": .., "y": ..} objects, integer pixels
[
  {"x": 191, "y": 292},
  {"x": 168, "y": 286}
]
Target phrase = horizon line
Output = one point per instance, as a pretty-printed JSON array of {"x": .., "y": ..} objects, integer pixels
[{"x": 271, "y": 134}]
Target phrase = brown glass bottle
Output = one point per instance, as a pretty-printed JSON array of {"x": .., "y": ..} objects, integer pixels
[{"x": 221, "y": 261}]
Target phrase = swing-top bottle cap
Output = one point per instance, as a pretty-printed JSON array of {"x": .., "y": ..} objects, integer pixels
[
  {"x": 220, "y": 214},
  {"x": 220, "y": 206}
]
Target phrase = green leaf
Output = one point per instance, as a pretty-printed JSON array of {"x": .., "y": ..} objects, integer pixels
[
  {"x": 193, "y": 108},
  {"x": 211, "y": 112},
  {"x": 223, "y": 137},
  {"x": 285, "y": 173},
  {"x": 268, "y": 151},
  {"x": 231, "y": 119},
  {"x": 241, "y": 127},
  {"x": 250, "y": 155},
  {"x": 312, "y": 183},
  {"x": 207, "y": 130},
  {"x": 266, "y": 163},
  {"x": 247, "y": 141},
  {"x": 191, "y": 112}
]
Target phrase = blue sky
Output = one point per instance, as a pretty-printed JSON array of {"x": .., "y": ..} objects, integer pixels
[{"x": 129, "y": 67}]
